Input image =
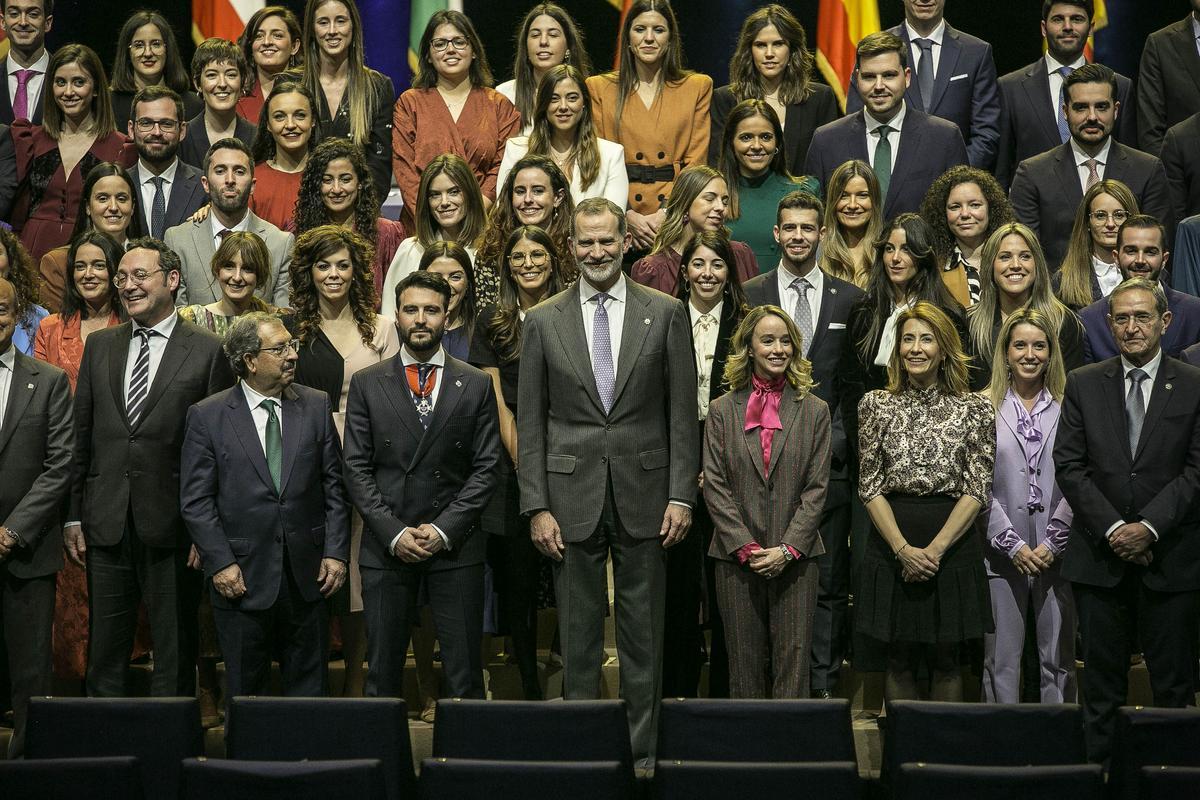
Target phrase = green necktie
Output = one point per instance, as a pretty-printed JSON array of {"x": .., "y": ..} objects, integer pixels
[
  {"x": 274, "y": 445},
  {"x": 883, "y": 160}
]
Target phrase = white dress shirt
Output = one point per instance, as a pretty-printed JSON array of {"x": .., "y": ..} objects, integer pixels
[
  {"x": 1053, "y": 65},
  {"x": 254, "y": 399},
  {"x": 1147, "y": 387},
  {"x": 704, "y": 346},
  {"x": 216, "y": 227},
  {"x": 914, "y": 50},
  {"x": 787, "y": 295},
  {"x": 8, "y": 363},
  {"x": 615, "y": 306},
  {"x": 439, "y": 360},
  {"x": 1081, "y": 157},
  {"x": 147, "y": 189},
  {"x": 33, "y": 86},
  {"x": 1196, "y": 32},
  {"x": 158, "y": 345},
  {"x": 1107, "y": 275},
  {"x": 887, "y": 341},
  {"x": 895, "y": 123}
]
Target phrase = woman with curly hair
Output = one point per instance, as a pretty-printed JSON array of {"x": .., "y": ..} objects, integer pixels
[
  {"x": 281, "y": 148},
  {"x": 964, "y": 207},
  {"x": 1089, "y": 270},
  {"x": 333, "y": 316},
  {"x": 270, "y": 44},
  {"x": 17, "y": 267},
  {"x": 562, "y": 129},
  {"x": 148, "y": 55},
  {"x": 337, "y": 188},
  {"x": 699, "y": 202},
  {"x": 771, "y": 62},
  {"x": 546, "y": 38},
  {"x": 535, "y": 193},
  {"x": 853, "y": 221}
]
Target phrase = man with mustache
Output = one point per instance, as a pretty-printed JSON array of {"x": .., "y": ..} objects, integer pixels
[
  {"x": 264, "y": 503},
  {"x": 1031, "y": 115},
  {"x": 229, "y": 181},
  {"x": 1142, "y": 252},
  {"x": 170, "y": 190},
  {"x": 422, "y": 443},
  {"x": 609, "y": 459},
  {"x": 1048, "y": 188},
  {"x": 25, "y": 24}
]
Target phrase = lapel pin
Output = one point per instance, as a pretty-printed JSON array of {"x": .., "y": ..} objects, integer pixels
[
  {"x": 29, "y": 386},
  {"x": 1166, "y": 386},
  {"x": 833, "y": 290},
  {"x": 458, "y": 384},
  {"x": 646, "y": 320}
]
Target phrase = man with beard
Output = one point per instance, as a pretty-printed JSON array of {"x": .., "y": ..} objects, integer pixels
[
  {"x": 171, "y": 191},
  {"x": 608, "y": 459},
  {"x": 229, "y": 181},
  {"x": 421, "y": 447},
  {"x": 25, "y": 23},
  {"x": 1142, "y": 253},
  {"x": 264, "y": 503},
  {"x": 1048, "y": 188},
  {"x": 1031, "y": 111}
]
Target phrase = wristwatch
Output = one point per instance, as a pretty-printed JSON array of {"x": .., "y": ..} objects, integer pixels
[{"x": 787, "y": 553}]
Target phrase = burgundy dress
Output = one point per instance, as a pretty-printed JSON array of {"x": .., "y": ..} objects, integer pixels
[{"x": 661, "y": 270}]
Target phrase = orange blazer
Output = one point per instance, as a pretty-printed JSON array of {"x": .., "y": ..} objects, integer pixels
[{"x": 58, "y": 342}]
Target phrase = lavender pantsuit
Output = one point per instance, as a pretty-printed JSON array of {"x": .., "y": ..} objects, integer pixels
[{"x": 1014, "y": 595}]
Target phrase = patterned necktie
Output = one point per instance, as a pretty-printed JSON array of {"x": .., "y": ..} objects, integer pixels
[
  {"x": 158, "y": 209},
  {"x": 21, "y": 99},
  {"x": 925, "y": 72},
  {"x": 883, "y": 159},
  {"x": 1093, "y": 173},
  {"x": 602, "y": 359},
  {"x": 803, "y": 313},
  {"x": 421, "y": 380},
  {"x": 1135, "y": 408},
  {"x": 1064, "y": 132},
  {"x": 139, "y": 382},
  {"x": 273, "y": 443}
]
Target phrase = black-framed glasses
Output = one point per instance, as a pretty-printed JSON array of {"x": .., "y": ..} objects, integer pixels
[
  {"x": 138, "y": 276},
  {"x": 280, "y": 350},
  {"x": 537, "y": 258},
  {"x": 145, "y": 124},
  {"x": 458, "y": 43}
]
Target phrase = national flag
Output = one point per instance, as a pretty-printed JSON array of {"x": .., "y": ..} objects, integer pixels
[
  {"x": 225, "y": 19},
  {"x": 841, "y": 24},
  {"x": 1099, "y": 21}
]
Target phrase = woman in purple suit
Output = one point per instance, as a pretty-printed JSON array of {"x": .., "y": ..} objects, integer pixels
[{"x": 1029, "y": 520}]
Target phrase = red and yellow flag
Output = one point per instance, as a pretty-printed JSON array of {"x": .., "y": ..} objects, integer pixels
[
  {"x": 840, "y": 26},
  {"x": 223, "y": 18}
]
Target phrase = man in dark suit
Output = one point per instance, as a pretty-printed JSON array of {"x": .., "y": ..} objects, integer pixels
[
  {"x": 36, "y": 441},
  {"x": 1142, "y": 252},
  {"x": 798, "y": 279},
  {"x": 1179, "y": 150},
  {"x": 219, "y": 71},
  {"x": 609, "y": 459},
  {"x": 1048, "y": 188},
  {"x": 25, "y": 23},
  {"x": 264, "y": 502},
  {"x": 136, "y": 383},
  {"x": 1031, "y": 111},
  {"x": 422, "y": 442},
  {"x": 170, "y": 190},
  {"x": 1128, "y": 459},
  {"x": 954, "y": 78},
  {"x": 1169, "y": 79},
  {"x": 907, "y": 148}
]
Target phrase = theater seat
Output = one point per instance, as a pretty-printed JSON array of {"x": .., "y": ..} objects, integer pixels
[
  {"x": 219, "y": 779},
  {"x": 755, "y": 730},
  {"x": 116, "y": 778},
  {"x": 693, "y": 780},
  {"x": 952, "y": 782},
  {"x": 1151, "y": 737},
  {"x": 1170, "y": 783},
  {"x": 473, "y": 779}
]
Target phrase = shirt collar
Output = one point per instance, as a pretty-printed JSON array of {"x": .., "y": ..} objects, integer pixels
[
  {"x": 696, "y": 313},
  {"x": 1151, "y": 368},
  {"x": 1101, "y": 267},
  {"x": 254, "y": 397},
  {"x": 9, "y": 357},
  {"x": 1053, "y": 65},
  {"x": 168, "y": 174},
  {"x": 1195, "y": 26},
  {"x": 1044, "y": 399},
  {"x": 935, "y": 37},
  {"x": 438, "y": 359},
  {"x": 217, "y": 227},
  {"x": 615, "y": 292},
  {"x": 41, "y": 65},
  {"x": 164, "y": 328},
  {"x": 1080, "y": 156},
  {"x": 815, "y": 277},
  {"x": 896, "y": 122}
]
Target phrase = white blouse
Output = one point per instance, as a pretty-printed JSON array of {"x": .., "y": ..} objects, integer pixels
[{"x": 611, "y": 181}]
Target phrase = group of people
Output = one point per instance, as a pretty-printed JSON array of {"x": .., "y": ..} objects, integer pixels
[{"x": 715, "y": 336}]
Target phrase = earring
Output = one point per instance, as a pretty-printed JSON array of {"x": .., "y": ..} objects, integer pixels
[{"x": 567, "y": 57}]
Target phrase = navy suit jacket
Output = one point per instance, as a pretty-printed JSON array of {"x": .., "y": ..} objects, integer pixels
[
  {"x": 1183, "y": 332},
  {"x": 965, "y": 92},
  {"x": 928, "y": 147},
  {"x": 1029, "y": 123},
  {"x": 1046, "y": 192},
  {"x": 187, "y": 195},
  {"x": 234, "y": 512}
]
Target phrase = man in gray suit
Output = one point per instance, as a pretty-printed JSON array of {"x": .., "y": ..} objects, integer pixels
[
  {"x": 609, "y": 459},
  {"x": 170, "y": 190},
  {"x": 229, "y": 180}
]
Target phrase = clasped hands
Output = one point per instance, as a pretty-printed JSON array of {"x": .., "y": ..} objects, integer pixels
[
  {"x": 1033, "y": 561},
  {"x": 1131, "y": 542},
  {"x": 918, "y": 563},
  {"x": 767, "y": 562},
  {"x": 417, "y": 544}
]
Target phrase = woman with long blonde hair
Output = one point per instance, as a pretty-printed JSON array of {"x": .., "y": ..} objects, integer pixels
[{"x": 853, "y": 221}]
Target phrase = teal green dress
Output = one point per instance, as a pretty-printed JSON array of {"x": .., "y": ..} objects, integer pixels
[{"x": 758, "y": 202}]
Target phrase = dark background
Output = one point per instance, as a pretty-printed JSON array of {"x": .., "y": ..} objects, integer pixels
[{"x": 709, "y": 27}]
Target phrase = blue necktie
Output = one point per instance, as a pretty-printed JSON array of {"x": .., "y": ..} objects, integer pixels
[
  {"x": 602, "y": 359},
  {"x": 1064, "y": 132}
]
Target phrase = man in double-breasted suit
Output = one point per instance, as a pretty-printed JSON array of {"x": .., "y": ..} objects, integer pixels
[
  {"x": 609, "y": 459},
  {"x": 36, "y": 438},
  {"x": 1128, "y": 459},
  {"x": 829, "y": 299},
  {"x": 136, "y": 383},
  {"x": 264, "y": 503},
  {"x": 422, "y": 442}
]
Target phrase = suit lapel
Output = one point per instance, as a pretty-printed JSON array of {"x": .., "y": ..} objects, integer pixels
[
  {"x": 908, "y": 152},
  {"x": 394, "y": 387},
  {"x": 1114, "y": 388},
  {"x": 634, "y": 331},
  {"x": 858, "y": 137},
  {"x": 1068, "y": 177},
  {"x": 792, "y": 123},
  {"x": 1037, "y": 89},
  {"x": 1118, "y": 163},
  {"x": 753, "y": 442},
  {"x": 729, "y": 321},
  {"x": 242, "y": 420},
  {"x": 181, "y": 193},
  {"x": 789, "y": 412},
  {"x": 293, "y": 417},
  {"x": 174, "y": 356},
  {"x": 828, "y": 298},
  {"x": 772, "y": 287},
  {"x": 22, "y": 385},
  {"x": 573, "y": 338},
  {"x": 118, "y": 357},
  {"x": 449, "y": 395},
  {"x": 1185, "y": 50},
  {"x": 1159, "y": 397},
  {"x": 1009, "y": 416},
  {"x": 951, "y": 49}
]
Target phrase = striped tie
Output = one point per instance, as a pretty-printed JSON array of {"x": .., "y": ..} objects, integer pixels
[{"x": 139, "y": 382}]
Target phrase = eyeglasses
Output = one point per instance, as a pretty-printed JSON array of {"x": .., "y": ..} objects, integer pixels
[
  {"x": 154, "y": 46},
  {"x": 458, "y": 43},
  {"x": 281, "y": 350},
  {"x": 1141, "y": 320},
  {"x": 537, "y": 258},
  {"x": 145, "y": 124},
  {"x": 1103, "y": 216},
  {"x": 138, "y": 276}
]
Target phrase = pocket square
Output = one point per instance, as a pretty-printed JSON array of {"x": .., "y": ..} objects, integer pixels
[
  {"x": 837, "y": 326},
  {"x": 960, "y": 77}
]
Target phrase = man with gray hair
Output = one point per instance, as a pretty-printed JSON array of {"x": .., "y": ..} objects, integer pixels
[
  {"x": 609, "y": 459},
  {"x": 264, "y": 503}
]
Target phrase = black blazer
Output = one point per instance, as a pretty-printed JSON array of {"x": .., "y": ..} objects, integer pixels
[
  {"x": 928, "y": 147},
  {"x": 8, "y": 172},
  {"x": 1029, "y": 124},
  {"x": 1168, "y": 82},
  {"x": 1105, "y": 484},
  {"x": 399, "y": 474},
  {"x": 36, "y": 442},
  {"x": 187, "y": 195},
  {"x": 730, "y": 317},
  {"x": 1046, "y": 192},
  {"x": 231, "y": 506},
  {"x": 965, "y": 92},
  {"x": 35, "y": 103},
  {"x": 195, "y": 145},
  {"x": 828, "y": 344},
  {"x": 800, "y": 121},
  {"x": 1182, "y": 166},
  {"x": 118, "y": 467},
  {"x": 378, "y": 149}
]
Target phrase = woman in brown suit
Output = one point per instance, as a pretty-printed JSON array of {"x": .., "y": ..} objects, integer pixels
[{"x": 766, "y": 467}]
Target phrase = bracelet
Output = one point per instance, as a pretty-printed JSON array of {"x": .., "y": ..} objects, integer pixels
[{"x": 900, "y": 550}]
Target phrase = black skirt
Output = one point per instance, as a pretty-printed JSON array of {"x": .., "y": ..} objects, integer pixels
[{"x": 953, "y": 606}]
